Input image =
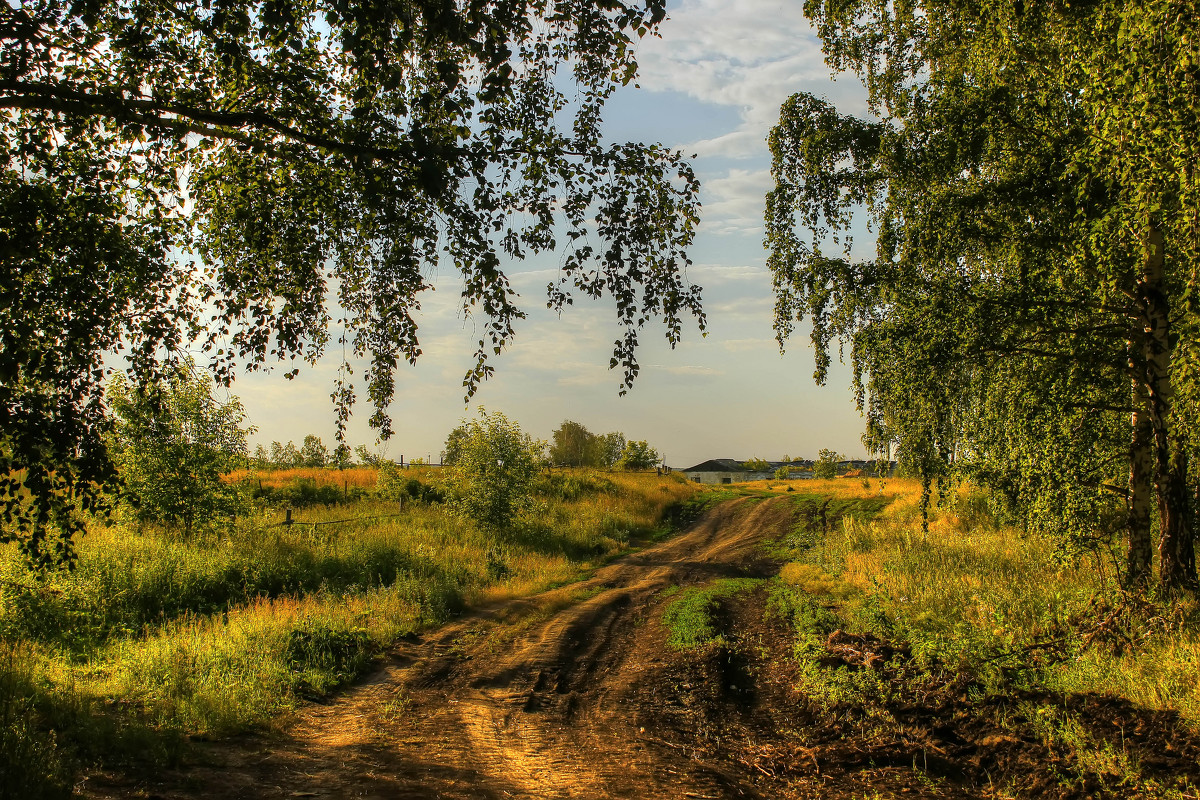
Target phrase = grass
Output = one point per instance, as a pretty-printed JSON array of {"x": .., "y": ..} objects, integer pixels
[
  {"x": 1000, "y": 604},
  {"x": 979, "y": 605},
  {"x": 689, "y": 617},
  {"x": 350, "y": 477},
  {"x": 154, "y": 637}
]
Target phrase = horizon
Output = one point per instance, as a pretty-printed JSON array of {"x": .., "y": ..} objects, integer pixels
[{"x": 705, "y": 88}]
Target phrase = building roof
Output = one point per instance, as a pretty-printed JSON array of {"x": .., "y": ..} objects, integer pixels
[
  {"x": 717, "y": 465},
  {"x": 730, "y": 465}
]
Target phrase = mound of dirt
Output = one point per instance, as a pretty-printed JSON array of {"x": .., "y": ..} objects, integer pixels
[{"x": 737, "y": 706}]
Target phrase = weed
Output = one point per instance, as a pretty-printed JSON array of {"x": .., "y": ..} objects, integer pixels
[
  {"x": 322, "y": 656},
  {"x": 689, "y": 617}
]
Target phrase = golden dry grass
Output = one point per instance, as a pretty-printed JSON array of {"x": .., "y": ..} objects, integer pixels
[{"x": 351, "y": 477}]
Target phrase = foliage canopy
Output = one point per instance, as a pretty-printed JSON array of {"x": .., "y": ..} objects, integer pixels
[
  {"x": 236, "y": 173},
  {"x": 1029, "y": 318}
]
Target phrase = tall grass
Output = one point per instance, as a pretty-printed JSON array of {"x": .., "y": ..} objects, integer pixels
[
  {"x": 352, "y": 477},
  {"x": 1006, "y": 607},
  {"x": 162, "y": 636}
]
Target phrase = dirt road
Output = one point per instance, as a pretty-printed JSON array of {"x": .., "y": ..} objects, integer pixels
[{"x": 540, "y": 698}]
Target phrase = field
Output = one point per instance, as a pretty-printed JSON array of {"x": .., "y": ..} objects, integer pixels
[
  {"x": 153, "y": 638},
  {"x": 978, "y": 624},
  {"x": 969, "y": 660}
]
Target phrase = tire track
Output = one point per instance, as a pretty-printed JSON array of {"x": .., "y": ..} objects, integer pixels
[{"x": 507, "y": 703}]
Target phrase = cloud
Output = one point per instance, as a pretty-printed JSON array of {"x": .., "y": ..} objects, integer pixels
[
  {"x": 713, "y": 275},
  {"x": 736, "y": 201},
  {"x": 686, "y": 370},
  {"x": 750, "y": 54},
  {"x": 754, "y": 308},
  {"x": 746, "y": 55},
  {"x": 747, "y": 345}
]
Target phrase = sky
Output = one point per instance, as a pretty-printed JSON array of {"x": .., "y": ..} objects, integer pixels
[{"x": 711, "y": 86}]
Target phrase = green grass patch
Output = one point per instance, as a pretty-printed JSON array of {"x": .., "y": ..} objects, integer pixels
[{"x": 689, "y": 617}]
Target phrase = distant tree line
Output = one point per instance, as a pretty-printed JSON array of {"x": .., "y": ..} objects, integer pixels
[
  {"x": 175, "y": 443},
  {"x": 311, "y": 453},
  {"x": 573, "y": 445}
]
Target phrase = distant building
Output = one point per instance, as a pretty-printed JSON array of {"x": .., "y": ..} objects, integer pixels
[{"x": 728, "y": 470}]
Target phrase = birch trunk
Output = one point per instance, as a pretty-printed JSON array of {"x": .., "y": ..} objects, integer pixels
[{"x": 1176, "y": 558}]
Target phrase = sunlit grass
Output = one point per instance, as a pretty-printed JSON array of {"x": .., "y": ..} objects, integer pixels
[
  {"x": 352, "y": 477},
  {"x": 1006, "y": 606},
  {"x": 228, "y": 629}
]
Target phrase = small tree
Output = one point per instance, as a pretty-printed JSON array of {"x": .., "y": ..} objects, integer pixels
[
  {"x": 342, "y": 456},
  {"x": 368, "y": 458},
  {"x": 285, "y": 456},
  {"x": 261, "y": 457},
  {"x": 454, "y": 445},
  {"x": 756, "y": 464},
  {"x": 494, "y": 467},
  {"x": 638, "y": 455},
  {"x": 610, "y": 446},
  {"x": 573, "y": 445},
  {"x": 313, "y": 452},
  {"x": 826, "y": 465},
  {"x": 171, "y": 442}
]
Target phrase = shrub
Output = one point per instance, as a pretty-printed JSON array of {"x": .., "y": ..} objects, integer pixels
[
  {"x": 393, "y": 484},
  {"x": 494, "y": 470},
  {"x": 566, "y": 487},
  {"x": 322, "y": 656},
  {"x": 826, "y": 465},
  {"x": 171, "y": 442}
]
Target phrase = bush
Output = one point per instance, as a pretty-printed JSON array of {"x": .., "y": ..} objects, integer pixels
[
  {"x": 171, "y": 442},
  {"x": 495, "y": 469},
  {"x": 826, "y": 465},
  {"x": 559, "y": 486},
  {"x": 301, "y": 492},
  {"x": 393, "y": 484},
  {"x": 321, "y": 656}
]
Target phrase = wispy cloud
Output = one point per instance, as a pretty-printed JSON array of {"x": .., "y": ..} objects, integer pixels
[
  {"x": 748, "y": 345},
  {"x": 695, "y": 370},
  {"x": 737, "y": 201},
  {"x": 750, "y": 55}
]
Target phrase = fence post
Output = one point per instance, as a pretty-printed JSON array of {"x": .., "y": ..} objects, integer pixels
[{"x": 287, "y": 519}]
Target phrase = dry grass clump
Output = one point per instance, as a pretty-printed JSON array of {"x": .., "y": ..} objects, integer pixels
[{"x": 350, "y": 477}]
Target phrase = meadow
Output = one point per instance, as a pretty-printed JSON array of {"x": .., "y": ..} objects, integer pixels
[
  {"x": 1011, "y": 608},
  {"x": 974, "y": 620},
  {"x": 154, "y": 637}
]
